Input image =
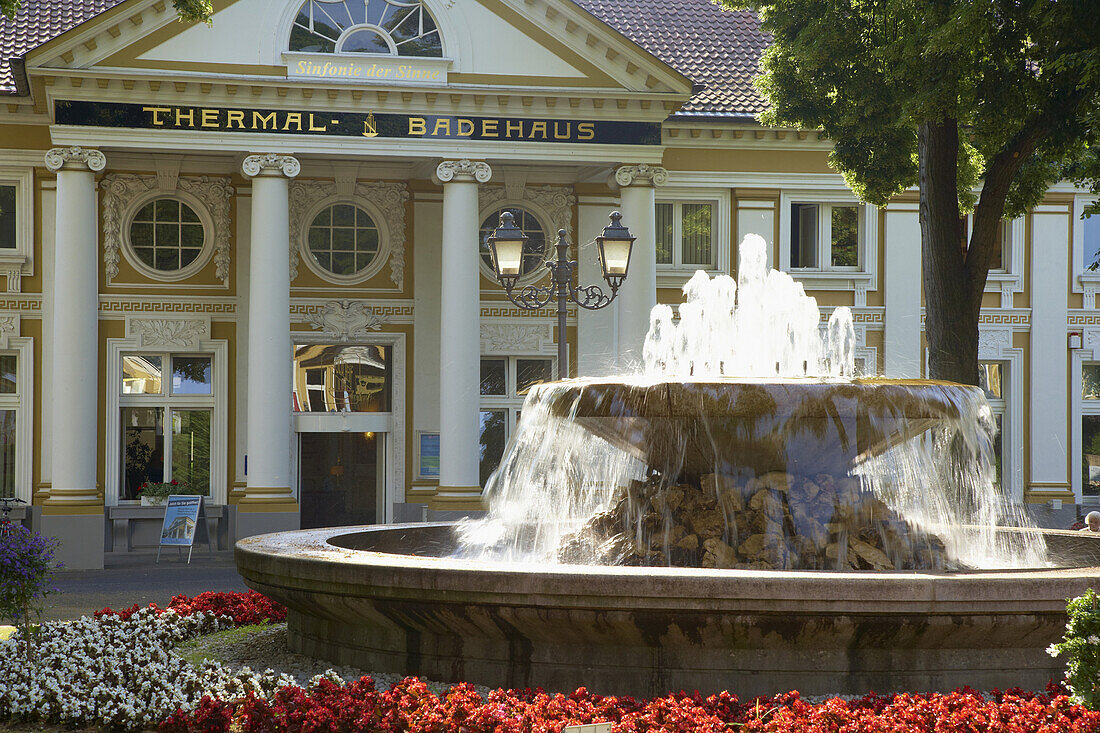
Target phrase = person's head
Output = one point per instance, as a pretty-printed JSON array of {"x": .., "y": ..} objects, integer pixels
[{"x": 1092, "y": 521}]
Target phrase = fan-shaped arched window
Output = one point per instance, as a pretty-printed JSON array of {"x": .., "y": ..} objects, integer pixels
[{"x": 394, "y": 27}]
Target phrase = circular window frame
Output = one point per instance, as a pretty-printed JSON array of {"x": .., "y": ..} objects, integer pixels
[
  {"x": 549, "y": 233},
  {"x": 184, "y": 273},
  {"x": 380, "y": 259}
]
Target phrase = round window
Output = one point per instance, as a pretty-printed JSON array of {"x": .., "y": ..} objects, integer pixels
[
  {"x": 534, "y": 250},
  {"x": 167, "y": 235},
  {"x": 343, "y": 239}
]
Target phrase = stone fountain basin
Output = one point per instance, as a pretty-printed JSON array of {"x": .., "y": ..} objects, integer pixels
[
  {"x": 387, "y": 599},
  {"x": 725, "y": 425}
]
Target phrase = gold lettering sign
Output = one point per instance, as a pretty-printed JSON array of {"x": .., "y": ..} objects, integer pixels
[{"x": 360, "y": 124}]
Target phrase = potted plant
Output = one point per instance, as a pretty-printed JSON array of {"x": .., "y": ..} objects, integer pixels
[{"x": 155, "y": 493}]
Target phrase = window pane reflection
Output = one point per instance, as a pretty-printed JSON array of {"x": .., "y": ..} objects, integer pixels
[
  {"x": 1090, "y": 444},
  {"x": 331, "y": 378},
  {"x": 530, "y": 372},
  {"x": 191, "y": 448},
  {"x": 1090, "y": 381},
  {"x": 190, "y": 375},
  {"x": 989, "y": 379},
  {"x": 141, "y": 374},
  {"x": 7, "y": 452},
  {"x": 492, "y": 442},
  {"x": 845, "y": 236},
  {"x": 493, "y": 378},
  {"x": 8, "y": 366},
  {"x": 142, "y": 448}
]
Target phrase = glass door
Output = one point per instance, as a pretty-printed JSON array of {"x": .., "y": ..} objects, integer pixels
[{"x": 341, "y": 478}]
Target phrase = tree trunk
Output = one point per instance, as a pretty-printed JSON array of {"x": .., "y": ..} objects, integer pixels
[{"x": 952, "y": 309}]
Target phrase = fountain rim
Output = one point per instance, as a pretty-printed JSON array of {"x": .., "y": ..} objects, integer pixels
[{"x": 316, "y": 546}]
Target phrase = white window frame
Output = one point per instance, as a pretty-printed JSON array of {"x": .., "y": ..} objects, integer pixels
[
  {"x": 1080, "y": 407},
  {"x": 1083, "y": 281},
  {"x": 676, "y": 274},
  {"x": 380, "y": 223},
  {"x": 392, "y": 423},
  {"x": 995, "y": 344},
  {"x": 217, "y": 402},
  {"x": 1007, "y": 280},
  {"x": 19, "y": 262},
  {"x": 169, "y": 276},
  {"x": 865, "y": 276},
  {"x": 545, "y": 220},
  {"x": 1000, "y": 407},
  {"x": 22, "y": 347}
]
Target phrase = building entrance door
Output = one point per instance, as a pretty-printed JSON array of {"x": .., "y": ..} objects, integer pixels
[{"x": 341, "y": 478}]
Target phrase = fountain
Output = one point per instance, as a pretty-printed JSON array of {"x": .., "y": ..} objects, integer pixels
[{"x": 791, "y": 527}]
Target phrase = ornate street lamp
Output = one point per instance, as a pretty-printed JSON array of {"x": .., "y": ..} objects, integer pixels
[{"x": 613, "y": 246}]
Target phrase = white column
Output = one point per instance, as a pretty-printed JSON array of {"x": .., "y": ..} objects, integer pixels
[
  {"x": 460, "y": 335},
  {"x": 1049, "y": 373},
  {"x": 902, "y": 292},
  {"x": 73, "y": 512},
  {"x": 638, "y": 294},
  {"x": 270, "y": 377},
  {"x": 73, "y": 383}
]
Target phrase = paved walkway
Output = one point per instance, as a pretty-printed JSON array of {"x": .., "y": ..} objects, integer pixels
[{"x": 134, "y": 578}]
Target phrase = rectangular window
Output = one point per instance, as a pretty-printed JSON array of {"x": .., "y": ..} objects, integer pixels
[
  {"x": 685, "y": 234},
  {"x": 989, "y": 379},
  {"x": 7, "y": 216},
  {"x": 337, "y": 378},
  {"x": 1090, "y": 381},
  {"x": 1090, "y": 445},
  {"x": 505, "y": 381},
  {"x": 825, "y": 233},
  {"x": 165, "y": 424}
]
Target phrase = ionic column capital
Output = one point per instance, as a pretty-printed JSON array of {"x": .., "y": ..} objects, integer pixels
[
  {"x": 463, "y": 170},
  {"x": 271, "y": 164},
  {"x": 641, "y": 175},
  {"x": 75, "y": 159}
]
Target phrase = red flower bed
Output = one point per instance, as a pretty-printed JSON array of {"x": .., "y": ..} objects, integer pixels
[
  {"x": 409, "y": 707},
  {"x": 245, "y": 608}
]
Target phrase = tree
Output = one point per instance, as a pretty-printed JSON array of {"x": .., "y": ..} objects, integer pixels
[
  {"x": 188, "y": 10},
  {"x": 998, "y": 97}
]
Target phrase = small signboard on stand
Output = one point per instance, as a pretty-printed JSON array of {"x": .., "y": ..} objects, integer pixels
[{"x": 184, "y": 523}]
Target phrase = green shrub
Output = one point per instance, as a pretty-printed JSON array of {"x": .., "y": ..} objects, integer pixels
[{"x": 1081, "y": 646}]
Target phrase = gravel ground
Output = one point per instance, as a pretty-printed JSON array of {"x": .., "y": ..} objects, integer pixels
[{"x": 261, "y": 648}]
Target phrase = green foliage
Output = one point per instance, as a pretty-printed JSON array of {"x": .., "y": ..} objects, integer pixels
[
  {"x": 188, "y": 10},
  {"x": 1081, "y": 646},
  {"x": 868, "y": 72}
]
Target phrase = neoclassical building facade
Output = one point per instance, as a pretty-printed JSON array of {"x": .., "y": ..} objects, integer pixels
[{"x": 251, "y": 256}]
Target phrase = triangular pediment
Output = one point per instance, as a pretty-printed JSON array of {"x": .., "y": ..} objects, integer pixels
[{"x": 523, "y": 44}]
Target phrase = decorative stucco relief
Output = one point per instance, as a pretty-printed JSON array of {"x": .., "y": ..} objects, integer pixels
[
  {"x": 345, "y": 320},
  {"x": 508, "y": 338},
  {"x": 120, "y": 189},
  {"x": 388, "y": 198},
  {"x": 556, "y": 201},
  {"x": 173, "y": 333}
]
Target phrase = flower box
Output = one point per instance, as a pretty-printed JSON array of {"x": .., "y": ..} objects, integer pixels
[{"x": 154, "y": 500}]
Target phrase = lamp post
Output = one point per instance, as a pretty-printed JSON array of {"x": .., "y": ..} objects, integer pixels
[{"x": 613, "y": 246}]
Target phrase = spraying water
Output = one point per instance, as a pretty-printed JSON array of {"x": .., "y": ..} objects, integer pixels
[{"x": 747, "y": 443}]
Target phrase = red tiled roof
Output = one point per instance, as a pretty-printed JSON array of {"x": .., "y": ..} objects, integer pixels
[
  {"x": 37, "y": 22},
  {"x": 717, "y": 49}
]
